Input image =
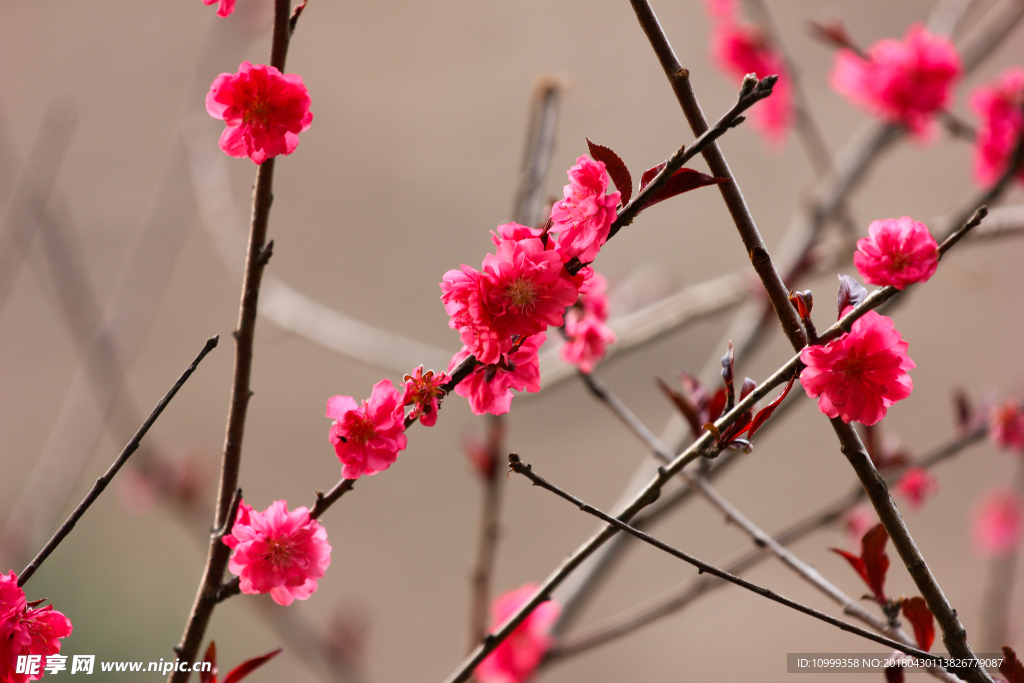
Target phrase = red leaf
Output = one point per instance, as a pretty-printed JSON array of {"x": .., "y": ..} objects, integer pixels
[
  {"x": 717, "y": 405},
  {"x": 748, "y": 386},
  {"x": 728, "y": 374},
  {"x": 684, "y": 404},
  {"x": 873, "y": 563},
  {"x": 1011, "y": 667},
  {"x": 616, "y": 168},
  {"x": 248, "y": 666},
  {"x": 683, "y": 180},
  {"x": 894, "y": 674},
  {"x": 851, "y": 293},
  {"x": 211, "y": 657},
  {"x": 917, "y": 612},
  {"x": 766, "y": 412}
]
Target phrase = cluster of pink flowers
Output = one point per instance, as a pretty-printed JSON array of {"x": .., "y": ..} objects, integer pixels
[
  {"x": 857, "y": 376},
  {"x": 278, "y": 552},
  {"x": 26, "y": 630},
  {"x": 998, "y": 106},
  {"x": 904, "y": 82},
  {"x": 503, "y": 310},
  {"x": 587, "y": 337},
  {"x": 518, "y": 656},
  {"x": 740, "y": 49},
  {"x": 264, "y": 110},
  {"x": 897, "y": 252},
  {"x": 998, "y": 523}
]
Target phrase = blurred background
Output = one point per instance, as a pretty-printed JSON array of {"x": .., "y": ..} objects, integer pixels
[{"x": 124, "y": 232}]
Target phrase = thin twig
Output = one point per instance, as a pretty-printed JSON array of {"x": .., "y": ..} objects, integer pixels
[
  {"x": 490, "y": 531},
  {"x": 326, "y": 500},
  {"x": 999, "y": 589},
  {"x": 217, "y": 559},
  {"x": 126, "y": 453},
  {"x": 703, "y": 567}
]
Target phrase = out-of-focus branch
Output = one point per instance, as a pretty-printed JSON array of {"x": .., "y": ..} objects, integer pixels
[
  {"x": 490, "y": 532},
  {"x": 999, "y": 589}
]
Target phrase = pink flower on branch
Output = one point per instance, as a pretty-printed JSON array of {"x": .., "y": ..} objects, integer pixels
[
  {"x": 857, "y": 376},
  {"x": 423, "y": 391},
  {"x": 904, "y": 82},
  {"x": 26, "y": 630},
  {"x": 897, "y": 252},
  {"x": 517, "y": 657},
  {"x": 489, "y": 387},
  {"x": 225, "y": 9},
  {"x": 264, "y": 110},
  {"x": 521, "y": 290},
  {"x": 278, "y": 552},
  {"x": 1006, "y": 425},
  {"x": 367, "y": 438},
  {"x": 997, "y": 523},
  {"x": 584, "y": 217},
  {"x": 739, "y": 50},
  {"x": 998, "y": 105},
  {"x": 587, "y": 339},
  {"x": 916, "y": 485}
]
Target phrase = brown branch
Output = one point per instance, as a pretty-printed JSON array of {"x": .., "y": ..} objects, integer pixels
[
  {"x": 490, "y": 531},
  {"x": 703, "y": 567},
  {"x": 815, "y": 520},
  {"x": 998, "y": 595},
  {"x": 108, "y": 476},
  {"x": 217, "y": 559}
]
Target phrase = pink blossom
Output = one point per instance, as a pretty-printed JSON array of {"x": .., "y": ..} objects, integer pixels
[
  {"x": 264, "y": 109},
  {"x": 1006, "y": 425},
  {"x": 516, "y": 658},
  {"x": 489, "y": 387},
  {"x": 514, "y": 232},
  {"x": 521, "y": 290},
  {"x": 278, "y": 552},
  {"x": 916, "y": 485},
  {"x": 998, "y": 105},
  {"x": 858, "y": 520},
  {"x": 584, "y": 217},
  {"x": 225, "y": 9},
  {"x": 857, "y": 376},
  {"x": 903, "y": 82},
  {"x": 26, "y": 631},
  {"x": 367, "y": 438},
  {"x": 594, "y": 295},
  {"x": 997, "y": 523},
  {"x": 897, "y": 252},
  {"x": 424, "y": 392},
  {"x": 587, "y": 339},
  {"x": 740, "y": 49}
]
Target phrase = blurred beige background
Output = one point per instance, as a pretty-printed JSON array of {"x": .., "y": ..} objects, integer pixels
[{"x": 420, "y": 110}]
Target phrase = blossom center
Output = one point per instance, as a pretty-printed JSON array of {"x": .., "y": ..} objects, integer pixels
[
  {"x": 522, "y": 293},
  {"x": 279, "y": 552},
  {"x": 360, "y": 429}
]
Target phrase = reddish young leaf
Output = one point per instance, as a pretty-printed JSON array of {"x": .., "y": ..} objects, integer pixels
[
  {"x": 683, "y": 180},
  {"x": 804, "y": 302},
  {"x": 917, "y": 612},
  {"x": 766, "y": 412},
  {"x": 717, "y": 405},
  {"x": 248, "y": 666},
  {"x": 851, "y": 293},
  {"x": 1011, "y": 666},
  {"x": 211, "y": 657},
  {"x": 728, "y": 374},
  {"x": 964, "y": 409},
  {"x": 748, "y": 386},
  {"x": 832, "y": 33},
  {"x": 894, "y": 674},
  {"x": 684, "y": 404},
  {"x": 616, "y": 169},
  {"x": 873, "y": 563}
]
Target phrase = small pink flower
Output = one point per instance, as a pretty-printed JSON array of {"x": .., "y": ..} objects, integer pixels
[
  {"x": 857, "y": 521},
  {"x": 264, "y": 109},
  {"x": 424, "y": 393},
  {"x": 897, "y": 252},
  {"x": 26, "y": 631},
  {"x": 857, "y": 376},
  {"x": 489, "y": 387},
  {"x": 903, "y": 82},
  {"x": 997, "y": 523},
  {"x": 278, "y": 552},
  {"x": 594, "y": 295},
  {"x": 739, "y": 50},
  {"x": 584, "y": 218},
  {"x": 587, "y": 339},
  {"x": 225, "y": 9},
  {"x": 367, "y": 438},
  {"x": 521, "y": 290},
  {"x": 516, "y": 658},
  {"x": 998, "y": 105},
  {"x": 916, "y": 485},
  {"x": 1006, "y": 425}
]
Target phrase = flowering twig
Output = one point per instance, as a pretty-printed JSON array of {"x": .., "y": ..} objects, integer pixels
[
  {"x": 802, "y": 527},
  {"x": 256, "y": 259},
  {"x": 102, "y": 482},
  {"x": 524, "y": 469}
]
